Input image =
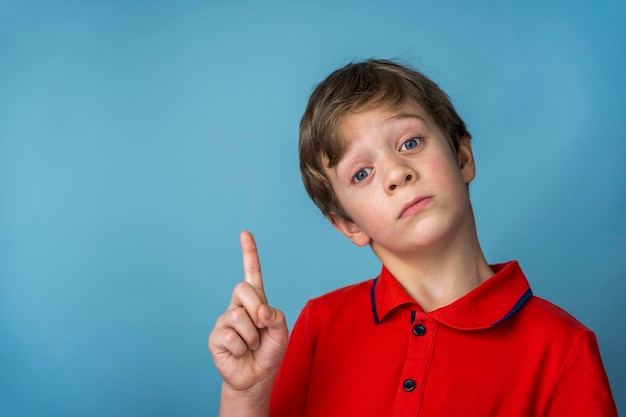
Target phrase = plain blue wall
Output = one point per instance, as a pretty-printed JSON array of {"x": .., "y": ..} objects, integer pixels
[{"x": 138, "y": 138}]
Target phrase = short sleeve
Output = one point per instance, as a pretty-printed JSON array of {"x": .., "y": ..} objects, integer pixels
[
  {"x": 291, "y": 385},
  {"x": 582, "y": 387}
]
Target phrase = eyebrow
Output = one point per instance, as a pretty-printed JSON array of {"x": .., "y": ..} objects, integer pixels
[
  {"x": 409, "y": 116},
  {"x": 398, "y": 116}
]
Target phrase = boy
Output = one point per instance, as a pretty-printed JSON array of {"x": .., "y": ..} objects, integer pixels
[{"x": 439, "y": 332}]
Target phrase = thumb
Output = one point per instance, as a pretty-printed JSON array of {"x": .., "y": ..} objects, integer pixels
[
  {"x": 274, "y": 337},
  {"x": 266, "y": 314},
  {"x": 274, "y": 321}
]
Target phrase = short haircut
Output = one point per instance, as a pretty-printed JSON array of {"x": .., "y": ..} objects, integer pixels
[{"x": 357, "y": 86}]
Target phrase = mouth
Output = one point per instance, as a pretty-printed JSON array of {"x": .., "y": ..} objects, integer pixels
[{"x": 414, "y": 206}]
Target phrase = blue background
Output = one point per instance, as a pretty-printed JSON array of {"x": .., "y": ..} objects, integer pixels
[{"x": 138, "y": 138}]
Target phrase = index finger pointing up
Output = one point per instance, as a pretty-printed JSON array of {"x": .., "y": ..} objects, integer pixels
[{"x": 251, "y": 265}]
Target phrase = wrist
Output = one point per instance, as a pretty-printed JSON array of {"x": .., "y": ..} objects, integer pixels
[{"x": 252, "y": 402}]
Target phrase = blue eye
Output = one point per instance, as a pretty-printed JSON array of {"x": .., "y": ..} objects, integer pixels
[
  {"x": 361, "y": 174},
  {"x": 410, "y": 144}
]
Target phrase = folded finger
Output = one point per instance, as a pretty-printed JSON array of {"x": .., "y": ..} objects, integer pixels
[{"x": 246, "y": 297}]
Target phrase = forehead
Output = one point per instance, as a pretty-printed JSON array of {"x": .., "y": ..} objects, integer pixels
[{"x": 378, "y": 118}]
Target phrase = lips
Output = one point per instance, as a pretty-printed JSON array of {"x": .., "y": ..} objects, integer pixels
[{"x": 414, "y": 206}]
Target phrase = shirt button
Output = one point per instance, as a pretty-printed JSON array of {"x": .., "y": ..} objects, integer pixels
[
  {"x": 408, "y": 385},
  {"x": 419, "y": 330}
]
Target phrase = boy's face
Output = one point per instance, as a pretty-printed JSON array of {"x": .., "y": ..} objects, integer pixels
[{"x": 400, "y": 181}]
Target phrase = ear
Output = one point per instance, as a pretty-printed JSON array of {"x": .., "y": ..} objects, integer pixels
[
  {"x": 466, "y": 160},
  {"x": 349, "y": 229}
]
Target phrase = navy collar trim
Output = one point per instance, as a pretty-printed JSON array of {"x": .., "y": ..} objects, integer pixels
[
  {"x": 373, "y": 298},
  {"x": 525, "y": 297}
]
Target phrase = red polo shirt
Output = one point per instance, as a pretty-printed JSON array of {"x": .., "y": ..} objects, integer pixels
[{"x": 370, "y": 350}]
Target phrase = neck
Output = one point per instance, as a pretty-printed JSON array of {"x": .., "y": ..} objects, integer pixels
[{"x": 441, "y": 274}]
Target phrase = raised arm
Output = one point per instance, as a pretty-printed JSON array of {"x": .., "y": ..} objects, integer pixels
[{"x": 248, "y": 342}]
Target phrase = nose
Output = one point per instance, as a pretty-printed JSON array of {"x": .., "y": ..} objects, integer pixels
[{"x": 398, "y": 175}]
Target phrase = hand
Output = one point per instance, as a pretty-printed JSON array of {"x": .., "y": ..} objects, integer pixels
[{"x": 249, "y": 338}]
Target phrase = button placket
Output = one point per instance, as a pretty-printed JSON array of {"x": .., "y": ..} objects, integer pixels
[
  {"x": 418, "y": 330},
  {"x": 423, "y": 332}
]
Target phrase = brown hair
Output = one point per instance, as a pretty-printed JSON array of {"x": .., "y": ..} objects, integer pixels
[{"x": 358, "y": 85}]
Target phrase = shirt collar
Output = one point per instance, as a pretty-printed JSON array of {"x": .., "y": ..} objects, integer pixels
[{"x": 485, "y": 306}]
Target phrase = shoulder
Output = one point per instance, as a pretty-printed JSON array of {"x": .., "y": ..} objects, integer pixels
[
  {"x": 353, "y": 293},
  {"x": 342, "y": 294},
  {"x": 344, "y": 302},
  {"x": 552, "y": 316},
  {"x": 544, "y": 323}
]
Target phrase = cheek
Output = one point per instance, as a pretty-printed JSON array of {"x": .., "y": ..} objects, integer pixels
[
  {"x": 367, "y": 211},
  {"x": 445, "y": 171},
  {"x": 439, "y": 170}
]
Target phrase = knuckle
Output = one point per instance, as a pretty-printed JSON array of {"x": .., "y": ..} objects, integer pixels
[
  {"x": 238, "y": 315},
  {"x": 231, "y": 338},
  {"x": 241, "y": 287}
]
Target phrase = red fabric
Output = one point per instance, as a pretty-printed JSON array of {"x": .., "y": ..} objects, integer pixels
[{"x": 498, "y": 351}]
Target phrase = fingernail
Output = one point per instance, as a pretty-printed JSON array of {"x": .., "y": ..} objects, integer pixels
[
  {"x": 265, "y": 314},
  {"x": 269, "y": 314}
]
